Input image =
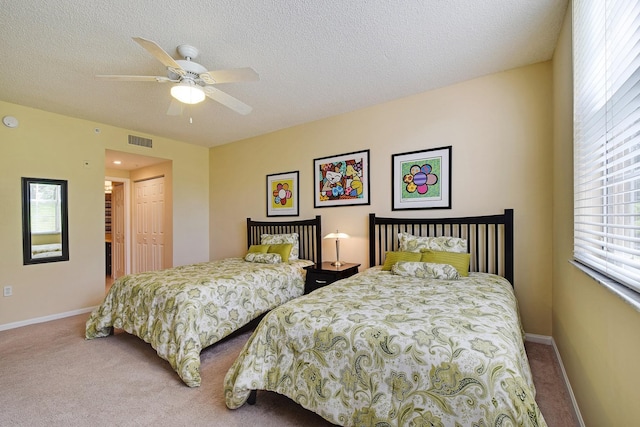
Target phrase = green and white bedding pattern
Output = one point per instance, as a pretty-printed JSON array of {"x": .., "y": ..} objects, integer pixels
[
  {"x": 379, "y": 349},
  {"x": 181, "y": 310}
]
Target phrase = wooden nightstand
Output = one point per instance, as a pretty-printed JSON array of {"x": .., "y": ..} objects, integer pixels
[{"x": 325, "y": 273}]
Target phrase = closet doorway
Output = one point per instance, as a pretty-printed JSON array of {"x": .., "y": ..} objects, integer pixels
[
  {"x": 116, "y": 232},
  {"x": 124, "y": 174}
]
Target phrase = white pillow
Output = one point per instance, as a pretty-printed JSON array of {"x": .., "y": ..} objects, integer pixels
[
  {"x": 411, "y": 243},
  {"x": 274, "y": 239}
]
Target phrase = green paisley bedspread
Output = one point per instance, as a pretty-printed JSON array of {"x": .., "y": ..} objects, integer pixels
[
  {"x": 378, "y": 349},
  {"x": 181, "y": 310}
]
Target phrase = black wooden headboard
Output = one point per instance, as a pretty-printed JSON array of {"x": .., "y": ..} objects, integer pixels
[
  {"x": 309, "y": 232},
  {"x": 489, "y": 238}
]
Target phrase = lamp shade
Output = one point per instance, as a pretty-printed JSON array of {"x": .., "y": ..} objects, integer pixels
[
  {"x": 188, "y": 92},
  {"x": 336, "y": 235}
]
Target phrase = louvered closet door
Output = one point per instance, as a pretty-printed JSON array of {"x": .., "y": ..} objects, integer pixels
[{"x": 149, "y": 225}]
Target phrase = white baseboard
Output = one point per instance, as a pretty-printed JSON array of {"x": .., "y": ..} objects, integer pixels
[
  {"x": 27, "y": 322},
  {"x": 547, "y": 340},
  {"x": 540, "y": 339}
]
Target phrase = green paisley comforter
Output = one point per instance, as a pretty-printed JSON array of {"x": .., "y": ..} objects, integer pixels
[
  {"x": 378, "y": 349},
  {"x": 181, "y": 310}
]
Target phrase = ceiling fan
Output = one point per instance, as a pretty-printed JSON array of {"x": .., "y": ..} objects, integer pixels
[{"x": 192, "y": 81}]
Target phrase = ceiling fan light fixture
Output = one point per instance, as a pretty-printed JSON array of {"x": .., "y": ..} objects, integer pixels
[{"x": 188, "y": 93}]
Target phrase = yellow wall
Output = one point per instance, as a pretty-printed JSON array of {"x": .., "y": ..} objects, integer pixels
[
  {"x": 117, "y": 173},
  {"x": 597, "y": 333},
  {"x": 47, "y": 145},
  {"x": 501, "y": 133},
  {"x": 45, "y": 239}
]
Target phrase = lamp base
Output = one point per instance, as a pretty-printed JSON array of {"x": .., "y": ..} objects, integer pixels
[{"x": 336, "y": 263}]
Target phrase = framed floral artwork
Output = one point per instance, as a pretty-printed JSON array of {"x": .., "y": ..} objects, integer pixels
[
  {"x": 421, "y": 179},
  {"x": 341, "y": 180},
  {"x": 283, "y": 194}
]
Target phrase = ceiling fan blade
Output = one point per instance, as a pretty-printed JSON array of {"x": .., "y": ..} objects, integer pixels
[
  {"x": 160, "y": 55},
  {"x": 158, "y": 79},
  {"x": 175, "y": 108},
  {"x": 227, "y": 100},
  {"x": 233, "y": 75}
]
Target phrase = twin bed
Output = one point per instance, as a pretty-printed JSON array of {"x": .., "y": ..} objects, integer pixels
[
  {"x": 429, "y": 335},
  {"x": 408, "y": 341},
  {"x": 182, "y": 310}
]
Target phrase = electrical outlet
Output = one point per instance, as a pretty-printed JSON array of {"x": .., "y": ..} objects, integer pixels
[{"x": 8, "y": 291}]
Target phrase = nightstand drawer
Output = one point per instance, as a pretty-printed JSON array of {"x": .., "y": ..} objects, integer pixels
[{"x": 321, "y": 279}]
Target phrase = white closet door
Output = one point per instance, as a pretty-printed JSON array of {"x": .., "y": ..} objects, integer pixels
[{"x": 149, "y": 225}]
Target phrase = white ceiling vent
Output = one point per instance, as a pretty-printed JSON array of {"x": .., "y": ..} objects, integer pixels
[{"x": 138, "y": 140}]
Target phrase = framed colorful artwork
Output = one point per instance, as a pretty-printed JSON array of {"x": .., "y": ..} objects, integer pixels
[
  {"x": 421, "y": 179},
  {"x": 283, "y": 194},
  {"x": 341, "y": 180}
]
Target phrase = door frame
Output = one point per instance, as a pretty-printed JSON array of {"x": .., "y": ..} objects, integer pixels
[{"x": 127, "y": 220}]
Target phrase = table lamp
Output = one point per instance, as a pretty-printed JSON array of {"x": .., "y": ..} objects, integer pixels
[{"x": 337, "y": 235}]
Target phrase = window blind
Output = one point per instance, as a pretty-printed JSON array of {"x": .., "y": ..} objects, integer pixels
[
  {"x": 45, "y": 208},
  {"x": 606, "y": 61}
]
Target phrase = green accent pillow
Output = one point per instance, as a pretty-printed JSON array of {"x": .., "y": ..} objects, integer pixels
[
  {"x": 273, "y": 239},
  {"x": 284, "y": 249},
  {"x": 261, "y": 249},
  {"x": 391, "y": 258},
  {"x": 459, "y": 260}
]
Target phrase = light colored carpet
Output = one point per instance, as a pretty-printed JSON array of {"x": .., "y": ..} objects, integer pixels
[{"x": 51, "y": 376}]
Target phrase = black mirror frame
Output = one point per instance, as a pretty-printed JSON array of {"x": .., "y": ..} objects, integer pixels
[{"x": 26, "y": 221}]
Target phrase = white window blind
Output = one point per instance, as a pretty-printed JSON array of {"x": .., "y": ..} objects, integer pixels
[
  {"x": 606, "y": 61},
  {"x": 45, "y": 208}
]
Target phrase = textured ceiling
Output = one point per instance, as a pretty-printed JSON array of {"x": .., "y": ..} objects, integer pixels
[{"x": 315, "y": 59}]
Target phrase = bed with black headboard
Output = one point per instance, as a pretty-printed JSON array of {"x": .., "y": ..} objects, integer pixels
[
  {"x": 428, "y": 335},
  {"x": 182, "y": 310}
]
